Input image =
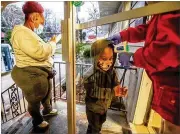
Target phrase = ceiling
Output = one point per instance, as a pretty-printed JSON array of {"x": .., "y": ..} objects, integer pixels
[{"x": 107, "y": 8}]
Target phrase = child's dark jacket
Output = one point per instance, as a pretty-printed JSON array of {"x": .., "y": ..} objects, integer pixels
[{"x": 99, "y": 84}]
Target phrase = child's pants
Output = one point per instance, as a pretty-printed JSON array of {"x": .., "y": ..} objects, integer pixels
[
  {"x": 169, "y": 128},
  {"x": 95, "y": 121}
]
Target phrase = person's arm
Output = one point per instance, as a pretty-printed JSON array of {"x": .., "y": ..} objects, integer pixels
[
  {"x": 33, "y": 47},
  {"x": 167, "y": 36},
  {"x": 118, "y": 90},
  {"x": 134, "y": 35}
]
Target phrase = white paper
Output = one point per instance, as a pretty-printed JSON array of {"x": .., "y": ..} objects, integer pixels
[{"x": 58, "y": 38}]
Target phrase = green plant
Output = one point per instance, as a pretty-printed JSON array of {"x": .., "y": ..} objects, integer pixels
[
  {"x": 79, "y": 49},
  {"x": 87, "y": 53}
]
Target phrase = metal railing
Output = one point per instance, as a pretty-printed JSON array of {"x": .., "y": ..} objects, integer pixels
[
  {"x": 12, "y": 103},
  {"x": 59, "y": 82}
]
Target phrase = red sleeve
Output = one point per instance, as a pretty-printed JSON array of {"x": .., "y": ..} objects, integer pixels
[
  {"x": 134, "y": 35},
  {"x": 164, "y": 47}
]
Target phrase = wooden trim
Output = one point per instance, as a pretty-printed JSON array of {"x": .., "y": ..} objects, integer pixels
[
  {"x": 161, "y": 7},
  {"x": 64, "y": 39},
  {"x": 70, "y": 65},
  {"x": 141, "y": 129},
  {"x": 155, "y": 119},
  {"x": 74, "y": 62},
  {"x": 144, "y": 94}
]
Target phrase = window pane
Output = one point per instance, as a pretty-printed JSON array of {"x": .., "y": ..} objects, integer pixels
[{"x": 139, "y": 4}]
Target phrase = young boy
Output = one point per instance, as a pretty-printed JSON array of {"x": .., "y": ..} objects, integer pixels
[{"x": 101, "y": 85}]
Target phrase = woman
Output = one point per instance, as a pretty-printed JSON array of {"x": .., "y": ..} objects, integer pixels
[
  {"x": 33, "y": 63},
  {"x": 160, "y": 58}
]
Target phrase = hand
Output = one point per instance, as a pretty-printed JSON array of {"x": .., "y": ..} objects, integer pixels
[
  {"x": 124, "y": 58},
  {"x": 116, "y": 39},
  {"x": 53, "y": 38},
  {"x": 120, "y": 91}
]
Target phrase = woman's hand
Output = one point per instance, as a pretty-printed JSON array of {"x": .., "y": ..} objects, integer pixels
[
  {"x": 120, "y": 91},
  {"x": 116, "y": 38}
]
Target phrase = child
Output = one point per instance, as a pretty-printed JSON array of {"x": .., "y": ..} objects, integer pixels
[{"x": 101, "y": 85}]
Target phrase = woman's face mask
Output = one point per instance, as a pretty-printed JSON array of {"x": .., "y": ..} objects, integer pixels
[
  {"x": 39, "y": 30},
  {"x": 38, "y": 23}
]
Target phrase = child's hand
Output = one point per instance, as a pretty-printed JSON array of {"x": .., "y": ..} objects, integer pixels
[{"x": 120, "y": 91}]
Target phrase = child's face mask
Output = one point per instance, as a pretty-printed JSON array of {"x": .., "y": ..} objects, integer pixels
[{"x": 105, "y": 59}]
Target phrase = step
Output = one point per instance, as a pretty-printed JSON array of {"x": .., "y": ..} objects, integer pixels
[{"x": 16, "y": 124}]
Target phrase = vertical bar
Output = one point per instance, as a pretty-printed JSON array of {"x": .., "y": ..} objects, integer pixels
[
  {"x": 124, "y": 77},
  {"x": 66, "y": 86},
  {"x": 82, "y": 70},
  {"x": 74, "y": 62},
  {"x": 24, "y": 103},
  {"x": 3, "y": 107},
  {"x": 10, "y": 103},
  {"x": 70, "y": 65},
  {"x": 18, "y": 98},
  {"x": 79, "y": 68},
  {"x": 79, "y": 97},
  {"x": 54, "y": 90},
  {"x": 2, "y": 116},
  {"x": 60, "y": 78}
]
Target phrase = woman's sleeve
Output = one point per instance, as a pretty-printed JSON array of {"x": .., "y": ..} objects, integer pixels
[
  {"x": 134, "y": 35},
  {"x": 35, "y": 48},
  {"x": 168, "y": 36}
]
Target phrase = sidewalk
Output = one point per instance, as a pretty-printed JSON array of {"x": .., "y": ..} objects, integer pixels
[{"x": 6, "y": 81}]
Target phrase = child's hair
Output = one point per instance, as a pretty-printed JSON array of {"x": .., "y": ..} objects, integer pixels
[
  {"x": 99, "y": 45},
  {"x": 110, "y": 45}
]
